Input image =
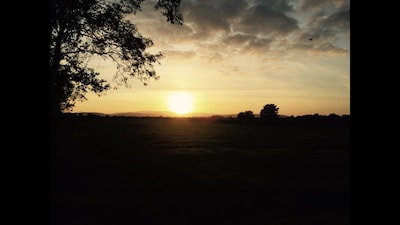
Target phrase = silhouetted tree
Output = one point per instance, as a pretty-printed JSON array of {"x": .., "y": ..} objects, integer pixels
[
  {"x": 81, "y": 29},
  {"x": 247, "y": 115},
  {"x": 269, "y": 111}
]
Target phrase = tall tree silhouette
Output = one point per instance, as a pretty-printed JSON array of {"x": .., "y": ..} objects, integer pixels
[
  {"x": 81, "y": 29},
  {"x": 269, "y": 111}
]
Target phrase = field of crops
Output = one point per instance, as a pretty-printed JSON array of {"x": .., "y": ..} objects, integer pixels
[{"x": 107, "y": 170}]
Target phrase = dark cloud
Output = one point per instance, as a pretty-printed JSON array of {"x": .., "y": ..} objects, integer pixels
[
  {"x": 317, "y": 46},
  {"x": 329, "y": 21},
  {"x": 265, "y": 20},
  {"x": 307, "y": 5},
  {"x": 248, "y": 17},
  {"x": 209, "y": 16},
  {"x": 256, "y": 26},
  {"x": 330, "y": 27},
  {"x": 277, "y": 5},
  {"x": 247, "y": 43},
  {"x": 316, "y": 5},
  {"x": 339, "y": 21},
  {"x": 238, "y": 39},
  {"x": 227, "y": 8},
  {"x": 331, "y": 16},
  {"x": 205, "y": 19}
]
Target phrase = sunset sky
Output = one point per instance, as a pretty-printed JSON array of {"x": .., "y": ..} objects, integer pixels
[{"x": 238, "y": 55}]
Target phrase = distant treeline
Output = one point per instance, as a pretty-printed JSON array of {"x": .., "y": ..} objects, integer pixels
[
  {"x": 307, "y": 120},
  {"x": 315, "y": 119}
]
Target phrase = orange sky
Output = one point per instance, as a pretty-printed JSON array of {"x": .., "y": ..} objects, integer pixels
[{"x": 234, "y": 56}]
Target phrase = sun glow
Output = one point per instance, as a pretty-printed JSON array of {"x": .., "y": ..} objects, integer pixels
[{"x": 180, "y": 102}]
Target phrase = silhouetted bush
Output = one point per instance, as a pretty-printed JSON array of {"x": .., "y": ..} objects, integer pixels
[{"x": 245, "y": 116}]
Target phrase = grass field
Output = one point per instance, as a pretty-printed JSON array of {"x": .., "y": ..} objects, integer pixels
[{"x": 197, "y": 172}]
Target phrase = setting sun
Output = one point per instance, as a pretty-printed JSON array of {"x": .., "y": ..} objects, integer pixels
[{"x": 180, "y": 102}]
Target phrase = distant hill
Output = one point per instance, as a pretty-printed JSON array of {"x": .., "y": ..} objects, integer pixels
[
  {"x": 140, "y": 114},
  {"x": 87, "y": 114},
  {"x": 159, "y": 114},
  {"x": 164, "y": 114}
]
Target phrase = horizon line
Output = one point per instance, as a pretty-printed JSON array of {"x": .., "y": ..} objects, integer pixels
[{"x": 144, "y": 113}]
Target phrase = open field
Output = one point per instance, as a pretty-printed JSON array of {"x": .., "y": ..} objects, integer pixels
[{"x": 198, "y": 172}]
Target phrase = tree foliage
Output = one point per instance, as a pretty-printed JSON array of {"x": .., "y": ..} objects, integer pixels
[
  {"x": 82, "y": 29},
  {"x": 269, "y": 111},
  {"x": 246, "y": 115}
]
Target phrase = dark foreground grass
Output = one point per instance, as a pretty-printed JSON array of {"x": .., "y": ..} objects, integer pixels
[{"x": 197, "y": 172}]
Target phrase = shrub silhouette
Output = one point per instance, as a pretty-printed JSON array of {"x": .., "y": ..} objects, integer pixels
[{"x": 246, "y": 115}]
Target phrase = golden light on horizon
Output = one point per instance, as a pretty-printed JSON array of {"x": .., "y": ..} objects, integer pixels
[{"x": 180, "y": 102}]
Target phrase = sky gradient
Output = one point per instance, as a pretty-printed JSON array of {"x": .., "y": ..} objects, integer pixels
[{"x": 239, "y": 55}]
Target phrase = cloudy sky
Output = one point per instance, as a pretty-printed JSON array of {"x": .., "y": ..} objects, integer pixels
[{"x": 238, "y": 55}]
